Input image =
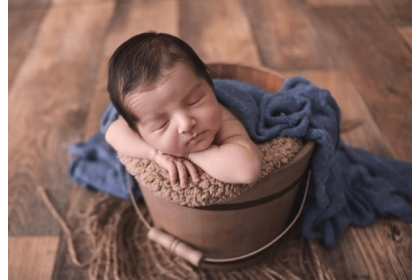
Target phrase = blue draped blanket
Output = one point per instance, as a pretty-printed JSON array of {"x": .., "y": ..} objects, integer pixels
[{"x": 349, "y": 186}]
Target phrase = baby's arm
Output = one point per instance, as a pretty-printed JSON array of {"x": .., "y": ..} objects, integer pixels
[
  {"x": 128, "y": 143},
  {"x": 235, "y": 158}
]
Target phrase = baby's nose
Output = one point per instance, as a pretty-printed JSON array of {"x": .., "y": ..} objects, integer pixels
[{"x": 186, "y": 123}]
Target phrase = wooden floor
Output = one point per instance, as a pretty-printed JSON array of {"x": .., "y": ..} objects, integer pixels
[{"x": 58, "y": 51}]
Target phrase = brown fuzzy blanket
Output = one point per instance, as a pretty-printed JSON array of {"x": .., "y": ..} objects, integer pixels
[{"x": 275, "y": 154}]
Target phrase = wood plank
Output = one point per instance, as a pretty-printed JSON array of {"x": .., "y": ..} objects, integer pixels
[
  {"x": 129, "y": 19},
  {"x": 317, "y": 3},
  {"x": 285, "y": 35},
  {"x": 406, "y": 32},
  {"x": 24, "y": 4},
  {"x": 63, "y": 266},
  {"x": 372, "y": 252},
  {"x": 391, "y": 246},
  {"x": 31, "y": 257},
  {"x": 399, "y": 12},
  {"x": 218, "y": 31},
  {"x": 48, "y": 105},
  {"x": 22, "y": 31},
  {"x": 378, "y": 62},
  {"x": 64, "y": 3}
]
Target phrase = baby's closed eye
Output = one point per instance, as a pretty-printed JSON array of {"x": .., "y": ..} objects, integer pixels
[
  {"x": 196, "y": 98},
  {"x": 160, "y": 126},
  {"x": 195, "y": 101}
]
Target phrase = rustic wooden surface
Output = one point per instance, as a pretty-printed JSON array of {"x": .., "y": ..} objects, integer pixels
[{"x": 58, "y": 52}]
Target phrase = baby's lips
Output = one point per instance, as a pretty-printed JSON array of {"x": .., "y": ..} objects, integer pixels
[{"x": 197, "y": 138}]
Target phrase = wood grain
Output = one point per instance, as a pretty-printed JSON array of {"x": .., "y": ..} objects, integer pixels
[
  {"x": 406, "y": 32},
  {"x": 399, "y": 12},
  {"x": 50, "y": 98},
  {"x": 339, "y": 2},
  {"x": 372, "y": 252},
  {"x": 22, "y": 30},
  {"x": 24, "y": 4},
  {"x": 285, "y": 36},
  {"x": 218, "y": 31},
  {"x": 31, "y": 257},
  {"x": 380, "y": 70}
]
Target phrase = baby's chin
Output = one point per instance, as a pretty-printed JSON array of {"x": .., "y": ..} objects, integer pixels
[{"x": 203, "y": 145}]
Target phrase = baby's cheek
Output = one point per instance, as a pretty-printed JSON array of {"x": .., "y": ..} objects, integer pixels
[
  {"x": 217, "y": 120},
  {"x": 156, "y": 143},
  {"x": 169, "y": 144}
]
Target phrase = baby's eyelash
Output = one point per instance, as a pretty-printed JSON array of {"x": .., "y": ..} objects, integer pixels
[
  {"x": 195, "y": 102},
  {"x": 161, "y": 126}
]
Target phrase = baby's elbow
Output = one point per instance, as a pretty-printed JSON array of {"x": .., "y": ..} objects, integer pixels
[
  {"x": 109, "y": 138},
  {"x": 251, "y": 172}
]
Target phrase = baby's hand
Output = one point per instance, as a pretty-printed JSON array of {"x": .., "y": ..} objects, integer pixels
[{"x": 178, "y": 168}]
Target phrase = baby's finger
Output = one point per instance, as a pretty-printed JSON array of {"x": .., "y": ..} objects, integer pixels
[
  {"x": 192, "y": 170},
  {"x": 182, "y": 174},
  {"x": 173, "y": 173},
  {"x": 199, "y": 170}
]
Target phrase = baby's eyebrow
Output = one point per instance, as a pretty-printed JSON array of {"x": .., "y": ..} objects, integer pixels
[
  {"x": 198, "y": 84},
  {"x": 151, "y": 118},
  {"x": 194, "y": 87}
]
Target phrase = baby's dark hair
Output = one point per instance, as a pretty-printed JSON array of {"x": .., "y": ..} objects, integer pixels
[{"x": 139, "y": 62}]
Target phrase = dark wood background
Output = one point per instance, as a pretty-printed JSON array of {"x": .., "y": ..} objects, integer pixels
[{"x": 58, "y": 51}]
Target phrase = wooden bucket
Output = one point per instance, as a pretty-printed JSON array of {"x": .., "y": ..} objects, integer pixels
[{"x": 239, "y": 232}]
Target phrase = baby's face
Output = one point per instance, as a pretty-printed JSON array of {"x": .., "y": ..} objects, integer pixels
[{"x": 179, "y": 114}]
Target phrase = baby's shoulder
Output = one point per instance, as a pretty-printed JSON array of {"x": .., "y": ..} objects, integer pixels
[
  {"x": 230, "y": 127},
  {"x": 227, "y": 115}
]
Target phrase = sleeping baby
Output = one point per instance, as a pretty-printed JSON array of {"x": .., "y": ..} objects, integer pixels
[{"x": 168, "y": 113}]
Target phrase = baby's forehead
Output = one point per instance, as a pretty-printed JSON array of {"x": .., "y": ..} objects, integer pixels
[
  {"x": 173, "y": 84},
  {"x": 162, "y": 77}
]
